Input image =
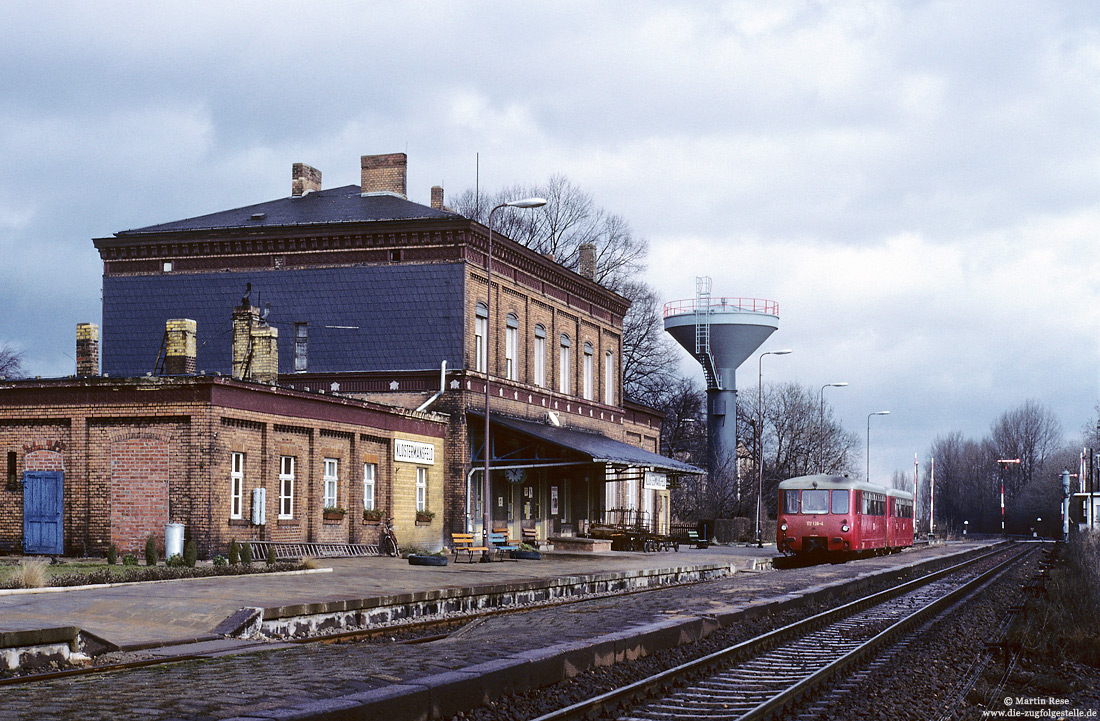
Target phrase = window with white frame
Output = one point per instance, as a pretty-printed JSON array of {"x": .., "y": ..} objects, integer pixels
[
  {"x": 421, "y": 489},
  {"x": 564, "y": 361},
  {"x": 368, "y": 486},
  {"x": 511, "y": 348},
  {"x": 481, "y": 326},
  {"x": 236, "y": 485},
  {"x": 586, "y": 390},
  {"x": 540, "y": 356},
  {"x": 609, "y": 378},
  {"x": 330, "y": 482},
  {"x": 286, "y": 487}
]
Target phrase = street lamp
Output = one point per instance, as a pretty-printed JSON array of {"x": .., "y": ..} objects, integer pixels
[
  {"x": 486, "y": 491},
  {"x": 876, "y": 413},
  {"x": 760, "y": 437},
  {"x": 821, "y": 426}
]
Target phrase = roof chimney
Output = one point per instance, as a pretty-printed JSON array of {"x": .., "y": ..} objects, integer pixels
[
  {"x": 255, "y": 346},
  {"x": 384, "y": 173},
  {"x": 304, "y": 179},
  {"x": 87, "y": 349},
  {"x": 179, "y": 356},
  {"x": 587, "y": 265},
  {"x": 437, "y": 197}
]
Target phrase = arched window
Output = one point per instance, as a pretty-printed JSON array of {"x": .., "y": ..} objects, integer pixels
[
  {"x": 609, "y": 378},
  {"x": 540, "y": 356},
  {"x": 511, "y": 348},
  {"x": 481, "y": 325},
  {"x": 564, "y": 358},
  {"x": 589, "y": 361}
]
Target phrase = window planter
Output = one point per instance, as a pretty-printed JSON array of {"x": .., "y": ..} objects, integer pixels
[
  {"x": 423, "y": 518},
  {"x": 372, "y": 517},
  {"x": 333, "y": 514}
]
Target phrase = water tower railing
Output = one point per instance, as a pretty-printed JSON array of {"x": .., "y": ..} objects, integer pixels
[{"x": 744, "y": 305}]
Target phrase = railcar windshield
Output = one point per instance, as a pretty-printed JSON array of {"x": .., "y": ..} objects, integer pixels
[
  {"x": 790, "y": 501},
  {"x": 815, "y": 501},
  {"x": 840, "y": 501}
]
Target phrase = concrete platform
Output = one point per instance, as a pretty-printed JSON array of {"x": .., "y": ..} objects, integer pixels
[{"x": 146, "y": 615}]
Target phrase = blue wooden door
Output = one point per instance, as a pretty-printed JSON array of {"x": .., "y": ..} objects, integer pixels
[{"x": 43, "y": 528}]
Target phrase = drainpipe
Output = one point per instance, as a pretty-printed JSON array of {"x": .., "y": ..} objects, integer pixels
[{"x": 442, "y": 388}]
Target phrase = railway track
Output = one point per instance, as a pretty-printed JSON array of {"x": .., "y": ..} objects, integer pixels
[{"x": 761, "y": 677}]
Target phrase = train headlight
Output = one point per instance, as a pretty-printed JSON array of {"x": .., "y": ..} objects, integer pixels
[
  {"x": 783, "y": 527},
  {"x": 845, "y": 528}
]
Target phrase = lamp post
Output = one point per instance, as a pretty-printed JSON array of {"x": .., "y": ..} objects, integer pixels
[
  {"x": 1003, "y": 464},
  {"x": 760, "y": 437},
  {"x": 487, "y": 490},
  {"x": 876, "y": 413},
  {"x": 821, "y": 426}
]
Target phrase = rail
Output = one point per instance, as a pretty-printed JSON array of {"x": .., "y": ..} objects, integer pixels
[{"x": 744, "y": 305}]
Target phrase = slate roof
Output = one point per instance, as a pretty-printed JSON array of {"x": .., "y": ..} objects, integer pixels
[
  {"x": 402, "y": 317},
  {"x": 335, "y": 205},
  {"x": 596, "y": 446}
]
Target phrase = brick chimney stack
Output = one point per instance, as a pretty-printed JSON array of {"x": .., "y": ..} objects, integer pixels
[
  {"x": 437, "y": 197},
  {"x": 384, "y": 173},
  {"x": 304, "y": 179},
  {"x": 587, "y": 265},
  {"x": 181, "y": 347},
  {"x": 255, "y": 346},
  {"x": 87, "y": 349}
]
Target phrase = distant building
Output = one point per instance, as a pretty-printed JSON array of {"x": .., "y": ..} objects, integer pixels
[{"x": 367, "y": 294}]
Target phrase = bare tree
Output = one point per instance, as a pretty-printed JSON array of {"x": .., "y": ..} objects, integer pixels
[
  {"x": 792, "y": 435},
  {"x": 1031, "y": 433},
  {"x": 650, "y": 359},
  {"x": 569, "y": 219},
  {"x": 11, "y": 361}
]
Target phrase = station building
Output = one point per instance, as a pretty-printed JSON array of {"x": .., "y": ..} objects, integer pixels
[
  {"x": 357, "y": 294},
  {"x": 97, "y": 461}
]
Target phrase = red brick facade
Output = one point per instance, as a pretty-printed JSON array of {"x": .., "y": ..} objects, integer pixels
[{"x": 140, "y": 453}]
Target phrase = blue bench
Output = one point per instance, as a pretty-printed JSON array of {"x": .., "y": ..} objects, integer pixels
[{"x": 499, "y": 542}]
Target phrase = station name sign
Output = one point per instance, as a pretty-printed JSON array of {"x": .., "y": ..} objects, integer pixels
[
  {"x": 655, "y": 481},
  {"x": 413, "y": 452}
]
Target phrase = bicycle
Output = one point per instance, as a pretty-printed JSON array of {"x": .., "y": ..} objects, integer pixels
[{"x": 387, "y": 545}]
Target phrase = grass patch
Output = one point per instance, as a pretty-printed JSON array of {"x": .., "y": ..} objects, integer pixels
[
  {"x": 1066, "y": 627},
  {"x": 89, "y": 572}
]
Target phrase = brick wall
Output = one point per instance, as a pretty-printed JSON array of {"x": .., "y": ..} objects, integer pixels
[
  {"x": 137, "y": 461},
  {"x": 138, "y": 491}
]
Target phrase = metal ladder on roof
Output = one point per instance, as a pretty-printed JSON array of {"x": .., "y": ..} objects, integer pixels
[{"x": 702, "y": 331}]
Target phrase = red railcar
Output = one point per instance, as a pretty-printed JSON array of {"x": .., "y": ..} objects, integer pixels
[{"x": 836, "y": 516}]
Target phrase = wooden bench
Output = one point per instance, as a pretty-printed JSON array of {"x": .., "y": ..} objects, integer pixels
[
  {"x": 531, "y": 537},
  {"x": 464, "y": 543},
  {"x": 499, "y": 542},
  {"x": 693, "y": 539}
]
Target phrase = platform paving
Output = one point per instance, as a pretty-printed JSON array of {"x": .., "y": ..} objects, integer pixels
[
  {"x": 317, "y": 680},
  {"x": 141, "y": 615}
]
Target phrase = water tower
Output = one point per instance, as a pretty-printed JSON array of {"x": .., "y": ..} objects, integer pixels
[{"x": 720, "y": 333}]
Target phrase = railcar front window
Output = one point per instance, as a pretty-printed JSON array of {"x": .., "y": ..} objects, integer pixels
[
  {"x": 815, "y": 501},
  {"x": 840, "y": 502},
  {"x": 790, "y": 501}
]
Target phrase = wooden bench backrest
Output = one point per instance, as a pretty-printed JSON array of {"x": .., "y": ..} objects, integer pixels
[
  {"x": 466, "y": 539},
  {"x": 498, "y": 538}
]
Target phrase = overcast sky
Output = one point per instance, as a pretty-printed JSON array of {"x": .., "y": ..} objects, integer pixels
[{"x": 916, "y": 183}]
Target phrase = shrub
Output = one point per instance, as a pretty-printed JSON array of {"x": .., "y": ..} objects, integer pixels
[
  {"x": 246, "y": 554},
  {"x": 151, "y": 551},
  {"x": 190, "y": 554},
  {"x": 234, "y": 553},
  {"x": 129, "y": 560},
  {"x": 271, "y": 555},
  {"x": 219, "y": 560},
  {"x": 112, "y": 554},
  {"x": 31, "y": 574},
  {"x": 175, "y": 561}
]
